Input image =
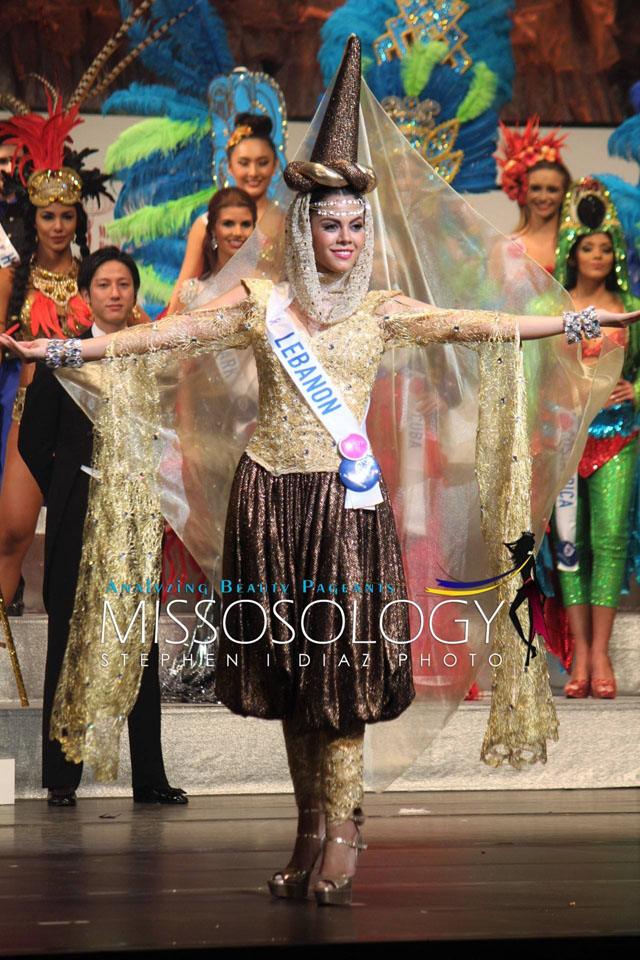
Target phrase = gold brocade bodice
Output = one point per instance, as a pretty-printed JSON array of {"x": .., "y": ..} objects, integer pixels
[{"x": 289, "y": 438}]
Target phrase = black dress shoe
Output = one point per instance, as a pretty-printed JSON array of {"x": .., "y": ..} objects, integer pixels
[
  {"x": 61, "y": 798},
  {"x": 16, "y": 607},
  {"x": 159, "y": 795}
]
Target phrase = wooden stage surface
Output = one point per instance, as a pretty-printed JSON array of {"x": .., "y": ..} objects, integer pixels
[{"x": 471, "y": 866}]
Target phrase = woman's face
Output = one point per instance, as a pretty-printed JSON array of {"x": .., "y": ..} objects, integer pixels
[
  {"x": 594, "y": 257},
  {"x": 337, "y": 240},
  {"x": 232, "y": 227},
  {"x": 252, "y": 165},
  {"x": 545, "y": 192},
  {"x": 55, "y": 227}
]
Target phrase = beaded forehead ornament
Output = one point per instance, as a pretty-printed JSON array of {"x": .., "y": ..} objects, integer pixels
[{"x": 341, "y": 207}]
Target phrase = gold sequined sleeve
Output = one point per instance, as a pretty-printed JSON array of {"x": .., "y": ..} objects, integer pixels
[
  {"x": 190, "y": 334},
  {"x": 403, "y": 326}
]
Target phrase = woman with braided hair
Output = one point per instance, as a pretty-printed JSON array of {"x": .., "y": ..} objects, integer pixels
[{"x": 44, "y": 299}]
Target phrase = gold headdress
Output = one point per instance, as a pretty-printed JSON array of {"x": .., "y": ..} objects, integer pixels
[{"x": 334, "y": 159}]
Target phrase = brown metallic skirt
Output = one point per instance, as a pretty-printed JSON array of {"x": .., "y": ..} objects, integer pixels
[{"x": 290, "y": 539}]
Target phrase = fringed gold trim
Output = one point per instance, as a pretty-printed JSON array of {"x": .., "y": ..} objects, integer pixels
[
  {"x": 522, "y": 716},
  {"x": 121, "y": 545}
]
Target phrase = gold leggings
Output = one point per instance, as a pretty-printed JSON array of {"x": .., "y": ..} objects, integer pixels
[{"x": 326, "y": 766}]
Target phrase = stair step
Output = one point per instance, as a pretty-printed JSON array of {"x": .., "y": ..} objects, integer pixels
[{"x": 209, "y": 750}]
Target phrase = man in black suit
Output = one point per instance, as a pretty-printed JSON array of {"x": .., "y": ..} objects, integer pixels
[{"x": 56, "y": 443}]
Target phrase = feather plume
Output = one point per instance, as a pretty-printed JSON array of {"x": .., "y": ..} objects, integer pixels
[
  {"x": 165, "y": 254},
  {"x": 124, "y": 63},
  {"x": 417, "y": 66},
  {"x": 489, "y": 26},
  {"x": 625, "y": 141},
  {"x": 18, "y": 107},
  {"x": 480, "y": 95},
  {"x": 162, "y": 220},
  {"x": 155, "y": 135},
  {"x": 199, "y": 48},
  {"x": 366, "y": 18},
  {"x": 53, "y": 93},
  {"x": 153, "y": 287},
  {"x": 87, "y": 79},
  {"x": 155, "y": 179},
  {"x": 156, "y": 100},
  {"x": 42, "y": 139}
]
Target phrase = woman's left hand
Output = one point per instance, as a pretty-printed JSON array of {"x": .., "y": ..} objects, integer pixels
[
  {"x": 622, "y": 391},
  {"x": 606, "y": 318}
]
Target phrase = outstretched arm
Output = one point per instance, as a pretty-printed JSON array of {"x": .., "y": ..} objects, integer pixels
[
  {"x": 411, "y": 321},
  {"x": 219, "y": 325}
]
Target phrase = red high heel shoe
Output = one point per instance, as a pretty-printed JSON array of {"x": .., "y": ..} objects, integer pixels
[
  {"x": 577, "y": 689},
  {"x": 603, "y": 689}
]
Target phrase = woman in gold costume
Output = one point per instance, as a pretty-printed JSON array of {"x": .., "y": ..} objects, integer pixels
[{"x": 308, "y": 508}]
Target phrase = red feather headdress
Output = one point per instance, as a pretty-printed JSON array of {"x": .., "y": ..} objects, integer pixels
[
  {"x": 40, "y": 144},
  {"x": 522, "y": 151}
]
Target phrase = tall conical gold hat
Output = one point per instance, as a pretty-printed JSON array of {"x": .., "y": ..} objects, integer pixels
[{"x": 334, "y": 159}]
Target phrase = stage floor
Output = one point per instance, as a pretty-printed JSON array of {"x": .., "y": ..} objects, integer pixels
[{"x": 111, "y": 876}]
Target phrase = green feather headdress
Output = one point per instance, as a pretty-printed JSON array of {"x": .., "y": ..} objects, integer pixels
[{"x": 588, "y": 209}]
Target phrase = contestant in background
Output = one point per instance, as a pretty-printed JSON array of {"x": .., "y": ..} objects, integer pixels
[
  {"x": 56, "y": 443},
  {"x": 252, "y": 161},
  {"x": 594, "y": 540},
  {"x": 44, "y": 298},
  {"x": 299, "y": 508},
  {"x": 229, "y": 221},
  {"x": 534, "y": 176}
]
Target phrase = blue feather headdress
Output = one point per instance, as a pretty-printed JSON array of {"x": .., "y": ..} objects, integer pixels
[{"x": 459, "y": 58}]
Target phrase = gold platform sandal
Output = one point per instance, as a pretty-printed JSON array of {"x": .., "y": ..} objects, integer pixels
[
  {"x": 294, "y": 884},
  {"x": 340, "y": 895}
]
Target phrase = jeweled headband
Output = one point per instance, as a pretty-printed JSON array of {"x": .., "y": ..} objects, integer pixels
[{"x": 354, "y": 206}]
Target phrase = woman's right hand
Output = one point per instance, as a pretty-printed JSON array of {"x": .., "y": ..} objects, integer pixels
[{"x": 27, "y": 350}]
